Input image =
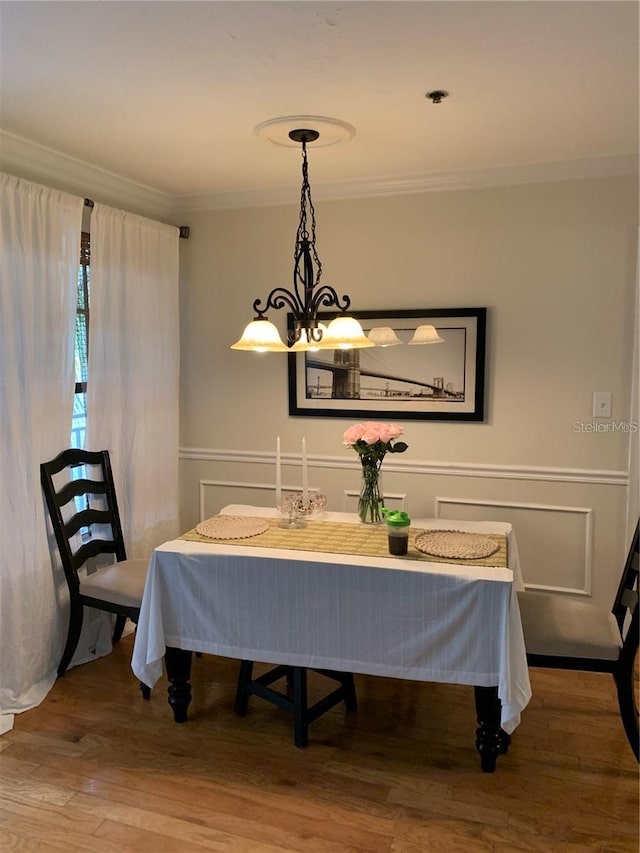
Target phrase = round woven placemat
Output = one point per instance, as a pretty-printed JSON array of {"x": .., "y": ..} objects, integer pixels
[
  {"x": 231, "y": 527},
  {"x": 454, "y": 544}
]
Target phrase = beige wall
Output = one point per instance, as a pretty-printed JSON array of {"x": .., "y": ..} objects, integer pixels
[{"x": 555, "y": 266}]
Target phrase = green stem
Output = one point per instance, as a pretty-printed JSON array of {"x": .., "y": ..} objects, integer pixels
[{"x": 371, "y": 500}]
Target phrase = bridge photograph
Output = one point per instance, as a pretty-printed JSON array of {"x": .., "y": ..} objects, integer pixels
[
  {"x": 433, "y": 373},
  {"x": 434, "y": 381}
]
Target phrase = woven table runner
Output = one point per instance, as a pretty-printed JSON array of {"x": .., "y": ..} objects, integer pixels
[{"x": 362, "y": 540}]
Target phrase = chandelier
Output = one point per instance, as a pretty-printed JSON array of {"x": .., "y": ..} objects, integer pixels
[{"x": 308, "y": 296}]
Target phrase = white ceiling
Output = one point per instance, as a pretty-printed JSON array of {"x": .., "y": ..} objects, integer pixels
[{"x": 167, "y": 94}]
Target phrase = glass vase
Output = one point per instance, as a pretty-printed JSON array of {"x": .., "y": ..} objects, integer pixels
[{"x": 371, "y": 498}]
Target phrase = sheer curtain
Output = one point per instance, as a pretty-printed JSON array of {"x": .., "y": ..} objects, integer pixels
[
  {"x": 132, "y": 394},
  {"x": 633, "y": 502},
  {"x": 39, "y": 251}
]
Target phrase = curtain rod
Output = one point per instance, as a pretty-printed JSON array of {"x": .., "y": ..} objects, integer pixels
[{"x": 183, "y": 229}]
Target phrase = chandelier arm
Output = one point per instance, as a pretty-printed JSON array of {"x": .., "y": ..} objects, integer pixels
[
  {"x": 314, "y": 335},
  {"x": 327, "y": 297},
  {"x": 278, "y": 298}
]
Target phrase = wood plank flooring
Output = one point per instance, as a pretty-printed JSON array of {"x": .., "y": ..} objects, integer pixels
[{"x": 95, "y": 769}]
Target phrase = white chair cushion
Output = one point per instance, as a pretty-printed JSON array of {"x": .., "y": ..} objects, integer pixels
[
  {"x": 121, "y": 583},
  {"x": 564, "y": 627}
]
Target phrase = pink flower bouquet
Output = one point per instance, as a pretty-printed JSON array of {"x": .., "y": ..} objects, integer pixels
[{"x": 372, "y": 441}]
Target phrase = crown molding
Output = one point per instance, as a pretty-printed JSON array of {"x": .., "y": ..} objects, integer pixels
[
  {"x": 529, "y": 173},
  {"x": 32, "y": 161},
  {"x": 35, "y": 162}
]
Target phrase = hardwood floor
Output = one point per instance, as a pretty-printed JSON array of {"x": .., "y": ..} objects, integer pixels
[{"x": 98, "y": 770}]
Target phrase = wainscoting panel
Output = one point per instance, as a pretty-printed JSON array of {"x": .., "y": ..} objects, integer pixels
[
  {"x": 555, "y": 543},
  {"x": 216, "y": 493},
  {"x": 569, "y": 523}
]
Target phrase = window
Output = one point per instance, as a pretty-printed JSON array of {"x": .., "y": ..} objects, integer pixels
[{"x": 79, "y": 420}]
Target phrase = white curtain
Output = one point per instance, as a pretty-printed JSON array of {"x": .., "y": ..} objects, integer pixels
[
  {"x": 633, "y": 503},
  {"x": 132, "y": 395},
  {"x": 39, "y": 252}
]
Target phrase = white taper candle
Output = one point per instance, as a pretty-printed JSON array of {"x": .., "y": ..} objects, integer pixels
[
  {"x": 278, "y": 474},
  {"x": 305, "y": 476}
]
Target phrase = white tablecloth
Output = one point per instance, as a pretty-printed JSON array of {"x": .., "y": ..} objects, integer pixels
[{"x": 406, "y": 619}]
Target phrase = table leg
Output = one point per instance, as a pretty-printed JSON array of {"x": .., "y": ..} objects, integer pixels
[
  {"x": 241, "y": 705},
  {"x": 300, "y": 721},
  {"x": 178, "y": 664},
  {"x": 491, "y": 740}
]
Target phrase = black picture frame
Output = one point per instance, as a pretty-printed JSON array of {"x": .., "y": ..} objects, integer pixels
[{"x": 432, "y": 382}]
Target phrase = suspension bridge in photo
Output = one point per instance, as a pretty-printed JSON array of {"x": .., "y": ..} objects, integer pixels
[{"x": 346, "y": 380}]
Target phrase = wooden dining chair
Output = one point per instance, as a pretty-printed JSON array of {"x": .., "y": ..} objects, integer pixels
[
  {"x": 80, "y": 495},
  {"x": 295, "y": 699},
  {"x": 562, "y": 633}
]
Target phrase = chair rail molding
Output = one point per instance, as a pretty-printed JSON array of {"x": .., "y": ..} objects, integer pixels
[
  {"x": 586, "y": 512},
  {"x": 416, "y": 466}
]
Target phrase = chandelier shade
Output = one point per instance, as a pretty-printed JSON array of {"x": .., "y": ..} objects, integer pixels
[
  {"x": 308, "y": 295},
  {"x": 384, "y": 336},
  {"x": 260, "y": 336},
  {"x": 425, "y": 335},
  {"x": 345, "y": 333}
]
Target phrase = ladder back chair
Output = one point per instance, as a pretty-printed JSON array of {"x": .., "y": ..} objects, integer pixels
[
  {"x": 575, "y": 635},
  {"x": 85, "y": 520}
]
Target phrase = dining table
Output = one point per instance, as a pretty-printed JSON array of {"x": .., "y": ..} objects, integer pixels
[{"x": 330, "y": 596}]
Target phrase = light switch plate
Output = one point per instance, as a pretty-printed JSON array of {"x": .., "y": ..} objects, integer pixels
[{"x": 602, "y": 404}]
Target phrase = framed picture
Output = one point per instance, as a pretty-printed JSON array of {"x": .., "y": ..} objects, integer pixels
[{"x": 443, "y": 380}]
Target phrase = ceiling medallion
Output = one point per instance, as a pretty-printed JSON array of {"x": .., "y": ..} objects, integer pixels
[{"x": 330, "y": 131}]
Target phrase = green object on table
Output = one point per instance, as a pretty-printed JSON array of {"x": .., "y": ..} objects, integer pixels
[
  {"x": 396, "y": 517},
  {"x": 398, "y": 523}
]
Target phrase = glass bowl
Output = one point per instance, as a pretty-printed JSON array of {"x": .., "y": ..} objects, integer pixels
[{"x": 315, "y": 506}]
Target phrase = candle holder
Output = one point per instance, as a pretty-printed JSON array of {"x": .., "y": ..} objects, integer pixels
[
  {"x": 315, "y": 505},
  {"x": 290, "y": 506}
]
